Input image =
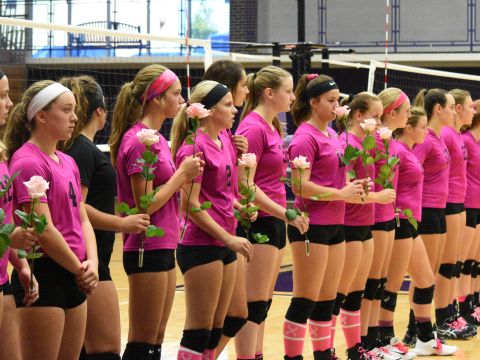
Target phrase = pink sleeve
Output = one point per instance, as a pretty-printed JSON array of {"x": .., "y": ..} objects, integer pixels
[
  {"x": 186, "y": 151},
  {"x": 27, "y": 167},
  {"x": 131, "y": 155},
  {"x": 421, "y": 150},
  {"x": 256, "y": 140},
  {"x": 302, "y": 145}
]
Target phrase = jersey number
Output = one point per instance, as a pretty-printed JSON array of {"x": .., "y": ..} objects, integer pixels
[{"x": 72, "y": 195}]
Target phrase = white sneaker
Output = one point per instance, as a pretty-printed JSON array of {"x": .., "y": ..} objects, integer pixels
[
  {"x": 434, "y": 347},
  {"x": 398, "y": 348},
  {"x": 384, "y": 354}
]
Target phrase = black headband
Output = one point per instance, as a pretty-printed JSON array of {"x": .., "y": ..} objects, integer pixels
[
  {"x": 2, "y": 74},
  {"x": 215, "y": 95},
  {"x": 320, "y": 88}
]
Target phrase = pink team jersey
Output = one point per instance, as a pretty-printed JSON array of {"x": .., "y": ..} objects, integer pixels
[
  {"x": 217, "y": 186},
  {"x": 457, "y": 184},
  {"x": 410, "y": 182},
  {"x": 385, "y": 212},
  {"x": 472, "y": 146},
  {"x": 167, "y": 216},
  {"x": 6, "y": 205},
  {"x": 63, "y": 197},
  {"x": 324, "y": 154},
  {"x": 433, "y": 155},
  {"x": 272, "y": 161},
  {"x": 358, "y": 214}
]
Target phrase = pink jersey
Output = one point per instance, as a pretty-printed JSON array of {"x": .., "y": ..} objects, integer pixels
[
  {"x": 410, "y": 182},
  {"x": 6, "y": 205},
  {"x": 64, "y": 196},
  {"x": 324, "y": 154},
  {"x": 217, "y": 186},
  {"x": 272, "y": 161},
  {"x": 358, "y": 214},
  {"x": 385, "y": 212},
  {"x": 457, "y": 185},
  {"x": 433, "y": 155},
  {"x": 472, "y": 146},
  {"x": 167, "y": 216}
]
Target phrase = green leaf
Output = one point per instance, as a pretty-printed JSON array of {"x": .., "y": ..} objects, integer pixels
[
  {"x": 8, "y": 184},
  {"x": 414, "y": 222},
  {"x": 4, "y": 243},
  {"x": 291, "y": 214},
  {"x": 149, "y": 157},
  {"x": 40, "y": 223},
  {"x": 393, "y": 161},
  {"x": 251, "y": 197},
  {"x": 243, "y": 201},
  {"x": 7, "y": 229},
  {"x": 23, "y": 216},
  {"x": 35, "y": 255},
  {"x": 385, "y": 170},
  {"x": 237, "y": 215},
  {"x": 206, "y": 205},
  {"x": 132, "y": 211},
  {"x": 154, "y": 231},
  {"x": 408, "y": 212},
  {"x": 2, "y": 215},
  {"x": 351, "y": 174},
  {"x": 189, "y": 140},
  {"x": 368, "y": 160},
  {"x": 260, "y": 238},
  {"x": 321, "y": 196},
  {"x": 122, "y": 208},
  {"x": 368, "y": 142},
  {"x": 378, "y": 181},
  {"x": 351, "y": 153},
  {"x": 22, "y": 254},
  {"x": 250, "y": 210},
  {"x": 243, "y": 189},
  {"x": 194, "y": 209}
]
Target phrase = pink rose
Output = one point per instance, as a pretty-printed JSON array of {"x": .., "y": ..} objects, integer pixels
[
  {"x": 248, "y": 160},
  {"x": 300, "y": 162},
  {"x": 197, "y": 111},
  {"x": 148, "y": 137},
  {"x": 385, "y": 133},
  {"x": 342, "y": 111},
  {"x": 369, "y": 125},
  {"x": 37, "y": 186}
]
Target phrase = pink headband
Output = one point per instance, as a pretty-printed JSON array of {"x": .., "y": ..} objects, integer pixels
[
  {"x": 159, "y": 85},
  {"x": 395, "y": 105}
]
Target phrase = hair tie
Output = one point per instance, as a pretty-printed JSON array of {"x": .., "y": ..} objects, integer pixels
[
  {"x": 45, "y": 97},
  {"x": 310, "y": 77}
]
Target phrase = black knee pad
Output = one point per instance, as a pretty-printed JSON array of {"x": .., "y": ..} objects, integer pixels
[
  {"x": 353, "y": 301},
  {"x": 338, "y": 303},
  {"x": 322, "y": 355},
  {"x": 298, "y": 357},
  {"x": 322, "y": 310},
  {"x": 447, "y": 270},
  {"x": 389, "y": 301},
  {"x": 458, "y": 268},
  {"x": 475, "y": 269},
  {"x": 269, "y": 305},
  {"x": 299, "y": 310},
  {"x": 136, "y": 350},
  {"x": 371, "y": 288},
  {"x": 256, "y": 311},
  {"x": 467, "y": 267},
  {"x": 196, "y": 340},
  {"x": 232, "y": 325},
  {"x": 215, "y": 336},
  {"x": 478, "y": 266},
  {"x": 157, "y": 355},
  {"x": 102, "y": 356},
  {"x": 381, "y": 289},
  {"x": 423, "y": 296}
]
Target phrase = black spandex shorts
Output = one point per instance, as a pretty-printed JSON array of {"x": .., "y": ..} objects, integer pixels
[
  {"x": 153, "y": 261},
  {"x": 271, "y": 226},
  {"x": 384, "y": 225},
  {"x": 57, "y": 286},
  {"x": 405, "y": 231},
  {"x": 473, "y": 217},
  {"x": 318, "y": 234},
  {"x": 103, "y": 266},
  {"x": 357, "y": 233},
  {"x": 189, "y": 256},
  {"x": 433, "y": 221},
  {"x": 454, "y": 208}
]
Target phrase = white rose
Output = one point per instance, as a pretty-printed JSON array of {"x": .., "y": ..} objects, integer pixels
[
  {"x": 37, "y": 186},
  {"x": 300, "y": 162},
  {"x": 248, "y": 160},
  {"x": 369, "y": 125},
  {"x": 385, "y": 133},
  {"x": 148, "y": 137}
]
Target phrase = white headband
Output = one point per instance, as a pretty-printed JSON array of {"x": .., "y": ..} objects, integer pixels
[{"x": 43, "y": 98}]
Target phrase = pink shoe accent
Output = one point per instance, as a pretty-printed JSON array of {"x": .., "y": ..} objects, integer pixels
[
  {"x": 320, "y": 334},
  {"x": 334, "y": 329},
  {"x": 293, "y": 338},
  {"x": 208, "y": 354},
  {"x": 461, "y": 298},
  {"x": 351, "y": 327},
  {"x": 187, "y": 354}
]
